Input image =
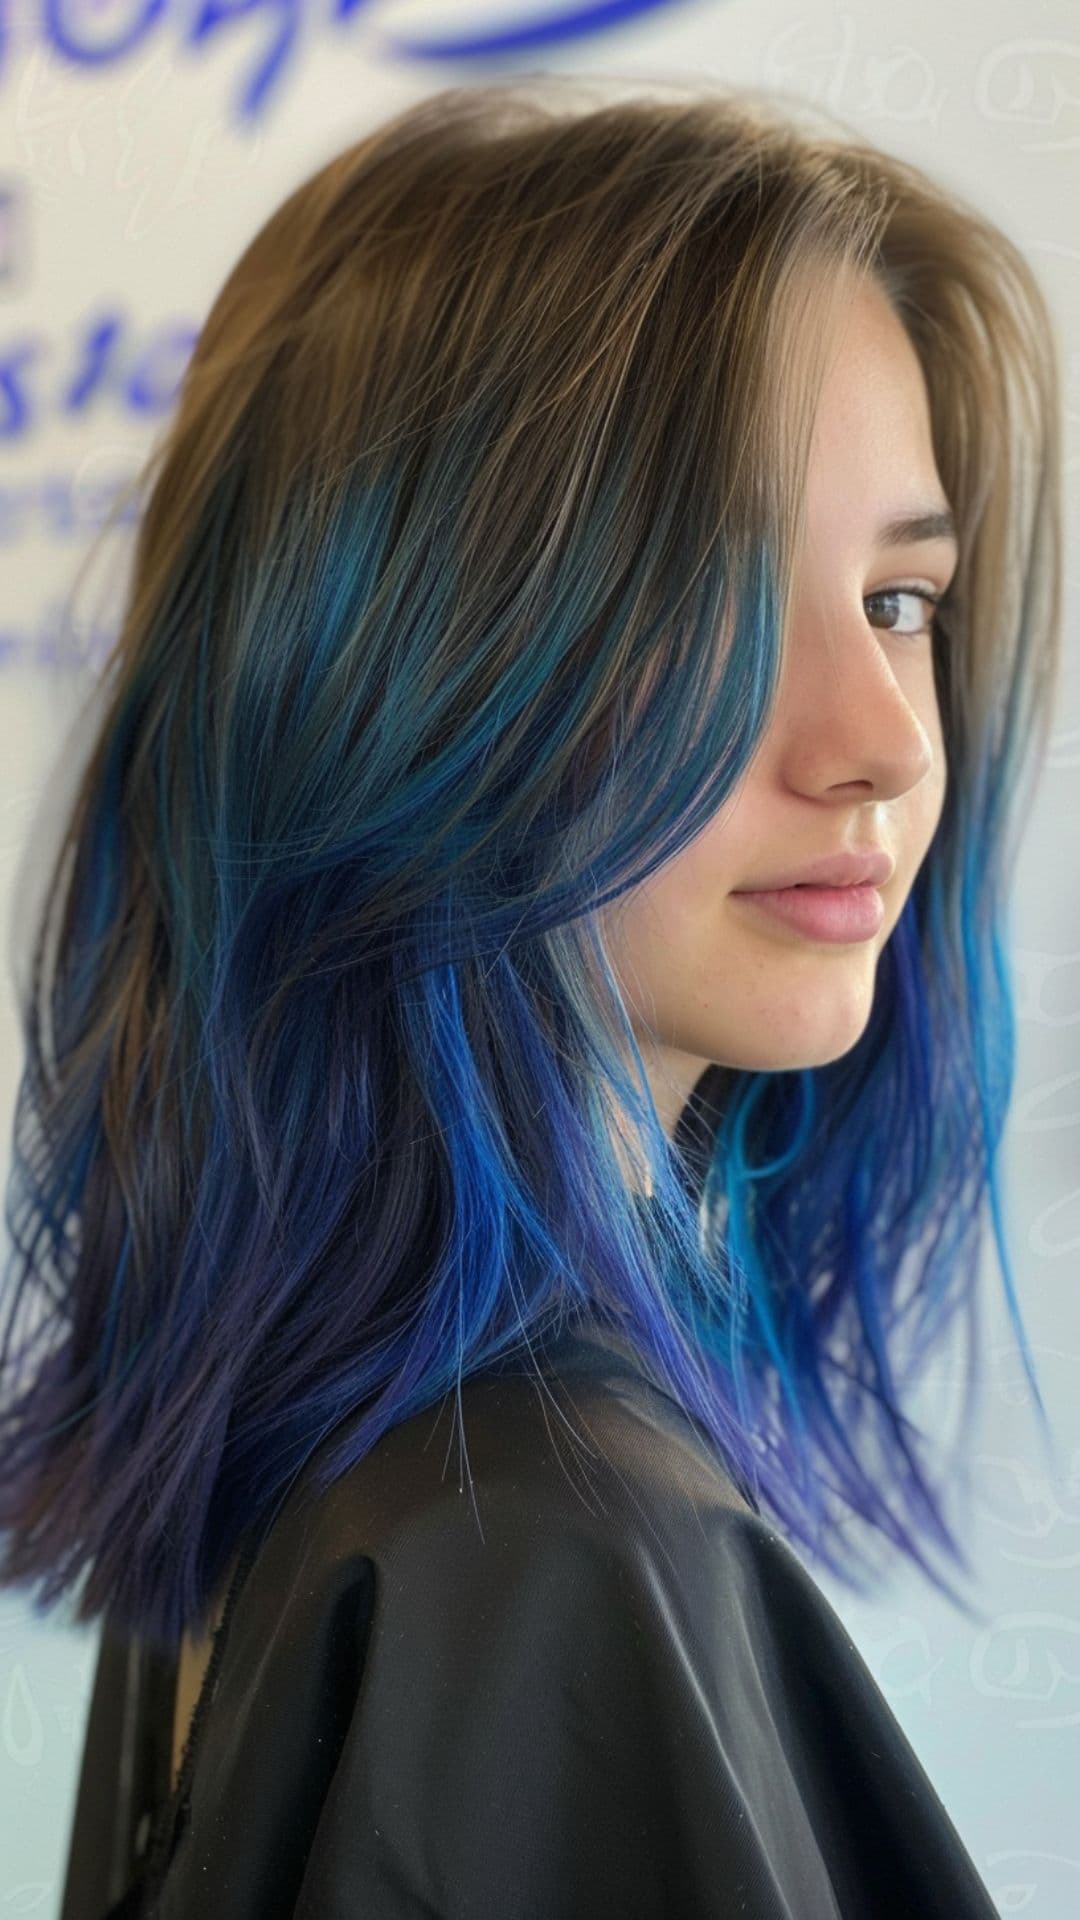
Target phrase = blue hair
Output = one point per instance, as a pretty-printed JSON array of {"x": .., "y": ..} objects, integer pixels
[{"x": 316, "y": 1114}]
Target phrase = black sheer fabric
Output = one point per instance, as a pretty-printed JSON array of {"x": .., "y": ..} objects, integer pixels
[{"x": 594, "y": 1683}]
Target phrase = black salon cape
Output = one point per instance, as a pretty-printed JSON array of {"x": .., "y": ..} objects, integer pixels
[{"x": 598, "y": 1686}]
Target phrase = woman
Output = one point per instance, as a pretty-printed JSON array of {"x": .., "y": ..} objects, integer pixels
[{"x": 533, "y": 936}]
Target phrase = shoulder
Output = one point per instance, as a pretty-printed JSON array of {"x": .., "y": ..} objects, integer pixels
[
  {"x": 568, "y": 1678},
  {"x": 539, "y": 1659},
  {"x": 590, "y": 1452},
  {"x": 533, "y": 1654},
  {"x": 590, "y": 1488}
]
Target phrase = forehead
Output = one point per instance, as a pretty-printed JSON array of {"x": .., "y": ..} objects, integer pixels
[{"x": 873, "y": 434}]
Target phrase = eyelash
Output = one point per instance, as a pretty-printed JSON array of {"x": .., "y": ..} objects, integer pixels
[{"x": 933, "y": 600}]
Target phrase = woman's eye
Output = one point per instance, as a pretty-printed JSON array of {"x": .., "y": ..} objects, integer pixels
[{"x": 920, "y": 595}]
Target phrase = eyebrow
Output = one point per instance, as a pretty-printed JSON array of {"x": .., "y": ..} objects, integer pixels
[{"x": 932, "y": 523}]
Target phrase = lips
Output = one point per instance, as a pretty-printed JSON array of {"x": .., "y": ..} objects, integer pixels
[
  {"x": 873, "y": 867},
  {"x": 832, "y": 915}
]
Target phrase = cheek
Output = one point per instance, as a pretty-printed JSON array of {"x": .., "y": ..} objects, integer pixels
[
  {"x": 919, "y": 811},
  {"x": 914, "y": 830},
  {"x": 932, "y": 795},
  {"x": 655, "y": 932},
  {"x": 684, "y": 895}
]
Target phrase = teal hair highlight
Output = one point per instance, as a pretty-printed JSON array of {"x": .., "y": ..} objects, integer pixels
[{"x": 315, "y": 1118}]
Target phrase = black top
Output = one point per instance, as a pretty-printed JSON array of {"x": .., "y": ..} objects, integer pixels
[{"x": 598, "y": 1686}]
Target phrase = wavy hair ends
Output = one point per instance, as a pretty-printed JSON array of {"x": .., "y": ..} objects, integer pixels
[{"x": 458, "y": 606}]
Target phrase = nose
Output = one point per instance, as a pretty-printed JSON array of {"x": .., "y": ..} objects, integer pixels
[{"x": 854, "y": 712}]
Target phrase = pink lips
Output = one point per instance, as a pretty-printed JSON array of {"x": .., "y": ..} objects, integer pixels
[{"x": 823, "y": 913}]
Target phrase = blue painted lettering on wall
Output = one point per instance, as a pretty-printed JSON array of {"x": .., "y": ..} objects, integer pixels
[
  {"x": 110, "y": 362},
  {"x": 65, "y": 506},
  {"x": 74, "y": 31},
  {"x": 57, "y": 642}
]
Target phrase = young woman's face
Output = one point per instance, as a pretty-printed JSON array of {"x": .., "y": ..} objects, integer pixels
[{"x": 853, "y": 758}]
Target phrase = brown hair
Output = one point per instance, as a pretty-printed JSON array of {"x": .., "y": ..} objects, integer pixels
[{"x": 424, "y": 612}]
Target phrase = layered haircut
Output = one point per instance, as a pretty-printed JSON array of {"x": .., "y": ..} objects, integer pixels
[{"x": 459, "y": 604}]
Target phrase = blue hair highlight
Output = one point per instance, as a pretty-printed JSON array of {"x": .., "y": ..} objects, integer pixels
[{"x": 316, "y": 1114}]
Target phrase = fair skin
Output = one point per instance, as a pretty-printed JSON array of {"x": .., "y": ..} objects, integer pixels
[
  {"x": 853, "y": 756},
  {"x": 193, "y": 1660}
]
